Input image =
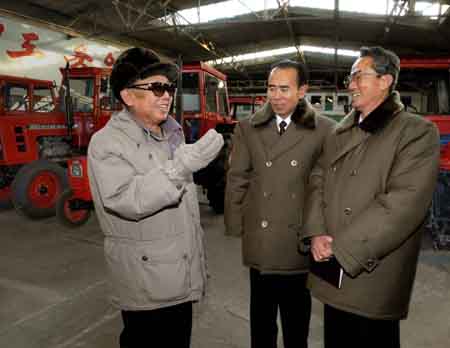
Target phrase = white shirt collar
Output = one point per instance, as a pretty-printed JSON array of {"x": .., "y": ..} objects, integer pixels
[{"x": 287, "y": 120}]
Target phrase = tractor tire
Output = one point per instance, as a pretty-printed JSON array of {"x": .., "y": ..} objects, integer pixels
[
  {"x": 36, "y": 188},
  {"x": 68, "y": 217}
]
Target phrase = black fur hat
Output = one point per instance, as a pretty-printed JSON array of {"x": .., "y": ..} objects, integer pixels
[{"x": 137, "y": 64}]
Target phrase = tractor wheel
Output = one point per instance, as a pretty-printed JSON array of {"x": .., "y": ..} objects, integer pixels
[
  {"x": 36, "y": 188},
  {"x": 67, "y": 216},
  {"x": 5, "y": 199}
]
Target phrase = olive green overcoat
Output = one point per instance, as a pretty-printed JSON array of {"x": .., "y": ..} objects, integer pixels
[
  {"x": 266, "y": 185},
  {"x": 371, "y": 193}
]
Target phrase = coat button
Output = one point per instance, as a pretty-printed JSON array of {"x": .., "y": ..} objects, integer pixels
[
  {"x": 264, "y": 224},
  {"x": 294, "y": 163},
  {"x": 347, "y": 211},
  {"x": 150, "y": 156},
  {"x": 333, "y": 169},
  {"x": 144, "y": 258},
  {"x": 269, "y": 164},
  {"x": 353, "y": 173},
  {"x": 370, "y": 263},
  {"x": 265, "y": 194}
]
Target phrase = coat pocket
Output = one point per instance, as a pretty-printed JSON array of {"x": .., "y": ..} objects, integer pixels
[{"x": 163, "y": 271}]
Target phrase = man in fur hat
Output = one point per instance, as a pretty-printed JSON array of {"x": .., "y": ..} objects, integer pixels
[{"x": 140, "y": 174}]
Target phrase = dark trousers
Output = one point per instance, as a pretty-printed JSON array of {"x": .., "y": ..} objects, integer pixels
[
  {"x": 344, "y": 329},
  {"x": 268, "y": 292},
  {"x": 158, "y": 328}
]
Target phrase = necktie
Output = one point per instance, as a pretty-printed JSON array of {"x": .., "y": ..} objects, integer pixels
[{"x": 282, "y": 127}]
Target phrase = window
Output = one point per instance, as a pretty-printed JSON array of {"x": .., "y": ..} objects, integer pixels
[
  {"x": 211, "y": 87},
  {"x": 329, "y": 101},
  {"x": 16, "y": 97},
  {"x": 223, "y": 105},
  {"x": 43, "y": 99},
  {"x": 342, "y": 100},
  {"x": 107, "y": 99},
  {"x": 82, "y": 93},
  {"x": 343, "y": 103},
  {"x": 242, "y": 111},
  {"x": 316, "y": 101},
  {"x": 191, "y": 96}
]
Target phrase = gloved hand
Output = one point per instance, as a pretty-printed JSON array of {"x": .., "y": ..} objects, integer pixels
[{"x": 189, "y": 158}]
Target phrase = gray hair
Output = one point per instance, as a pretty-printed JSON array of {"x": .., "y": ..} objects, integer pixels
[{"x": 385, "y": 62}]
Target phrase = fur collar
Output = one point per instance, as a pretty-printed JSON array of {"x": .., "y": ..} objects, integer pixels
[
  {"x": 303, "y": 115},
  {"x": 377, "y": 119}
]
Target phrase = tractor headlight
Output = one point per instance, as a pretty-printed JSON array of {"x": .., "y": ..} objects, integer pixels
[{"x": 76, "y": 170}]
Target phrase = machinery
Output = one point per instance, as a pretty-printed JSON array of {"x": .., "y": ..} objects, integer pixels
[
  {"x": 431, "y": 77},
  {"x": 37, "y": 135}
]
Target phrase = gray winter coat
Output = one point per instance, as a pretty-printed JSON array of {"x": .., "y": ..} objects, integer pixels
[{"x": 153, "y": 239}]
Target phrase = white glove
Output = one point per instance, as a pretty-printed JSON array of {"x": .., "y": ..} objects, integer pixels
[{"x": 189, "y": 158}]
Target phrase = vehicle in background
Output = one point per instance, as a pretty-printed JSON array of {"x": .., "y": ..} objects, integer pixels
[
  {"x": 243, "y": 106},
  {"x": 37, "y": 135},
  {"x": 330, "y": 103},
  {"x": 430, "y": 79}
]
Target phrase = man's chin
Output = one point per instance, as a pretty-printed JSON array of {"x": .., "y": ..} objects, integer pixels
[{"x": 280, "y": 112}]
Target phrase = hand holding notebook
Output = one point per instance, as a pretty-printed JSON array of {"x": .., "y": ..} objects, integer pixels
[{"x": 330, "y": 271}]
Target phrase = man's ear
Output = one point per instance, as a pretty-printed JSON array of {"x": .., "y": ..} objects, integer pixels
[
  {"x": 127, "y": 97},
  {"x": 387, "y": 81},
  {"x": 302, "y": 91}
]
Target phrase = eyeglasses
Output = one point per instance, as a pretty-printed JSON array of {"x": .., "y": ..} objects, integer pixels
[
  {"x": 357, "y": 76},
  {"x": 157, "y": 88}
]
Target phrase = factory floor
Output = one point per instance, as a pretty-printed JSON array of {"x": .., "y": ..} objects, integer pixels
[{"x": 53, "y": 291}]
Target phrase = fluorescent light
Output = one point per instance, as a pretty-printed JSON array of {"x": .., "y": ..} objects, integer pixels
[{"x": 282, "y": 51}]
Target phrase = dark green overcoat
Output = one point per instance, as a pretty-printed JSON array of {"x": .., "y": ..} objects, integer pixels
[
  {"x": 371, "y": 194},
  {"x": 266, "y": 184}
]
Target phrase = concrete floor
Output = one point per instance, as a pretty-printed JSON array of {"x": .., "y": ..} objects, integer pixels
[{"x": 53, "y": 291}]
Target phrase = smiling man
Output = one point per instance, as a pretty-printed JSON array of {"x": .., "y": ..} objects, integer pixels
[
  {"x": 140, "y": 175},
  {"x": 369, "y": 199},
  {"x": 272, "y": 155}
]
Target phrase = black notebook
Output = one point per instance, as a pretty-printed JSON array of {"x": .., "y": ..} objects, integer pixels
[{"x": 330, "y": 271}]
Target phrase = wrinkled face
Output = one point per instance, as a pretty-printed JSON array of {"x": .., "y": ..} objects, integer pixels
[
  {"x": 148, "y": 107},
  {"x": 283, "y": 92},
  {"x": 367, "y": 88}
]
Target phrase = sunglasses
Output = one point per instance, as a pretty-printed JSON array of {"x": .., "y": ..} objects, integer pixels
[{"x": 157, "y": 88}]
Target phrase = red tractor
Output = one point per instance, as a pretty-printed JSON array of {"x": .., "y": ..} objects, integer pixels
[
  {"x": 431, "y": 78},
  {"x": 201, "y": 104},
  {"x": 37, "y": 135}
]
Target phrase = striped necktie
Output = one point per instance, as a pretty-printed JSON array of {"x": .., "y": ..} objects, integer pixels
[{"x": 282, "y": 125}]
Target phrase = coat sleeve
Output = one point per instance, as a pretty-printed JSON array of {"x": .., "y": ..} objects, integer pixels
[
  {"x": 313, "y": 213},
  {"x": 238, "y": 180},
  {"x": 313, "y": 216},
  {"x": 127, "y": 193},
  {"x": 397, "y": 213}
]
